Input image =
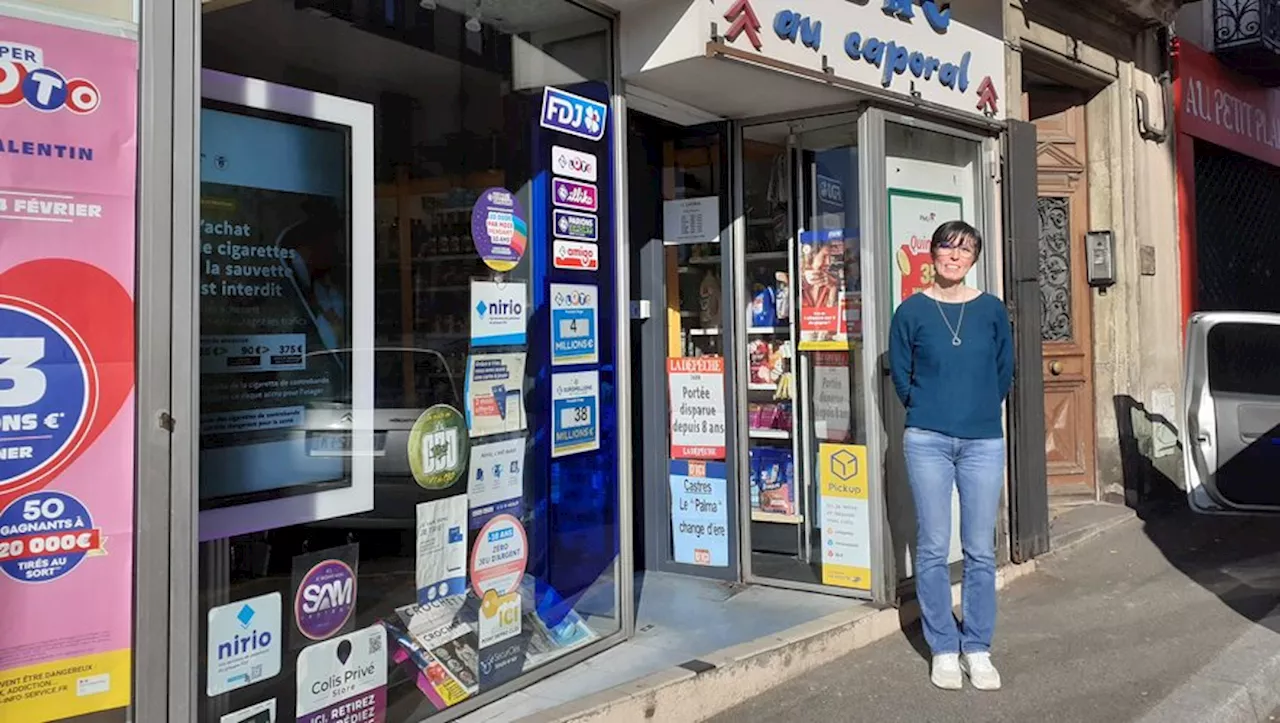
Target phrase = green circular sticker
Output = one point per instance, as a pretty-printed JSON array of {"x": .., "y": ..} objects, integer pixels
[{"x": 438, "y": 445}]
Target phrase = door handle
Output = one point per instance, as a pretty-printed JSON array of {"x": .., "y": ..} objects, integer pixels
[
  {"x": 1203, "y": 438},
  {"x": 1055, "y": 367}
]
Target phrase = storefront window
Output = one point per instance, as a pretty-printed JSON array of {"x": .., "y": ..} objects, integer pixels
[{"x": 408, "y": 444}]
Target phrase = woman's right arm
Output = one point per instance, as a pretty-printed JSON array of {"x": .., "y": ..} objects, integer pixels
[{"x": 900, "y": 355}]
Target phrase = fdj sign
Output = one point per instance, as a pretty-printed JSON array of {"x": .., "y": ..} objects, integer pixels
[
  {"x": 48, "y": 393},
  {"x": 572, "y": 114},
  {"x": 25, "y": 79}
]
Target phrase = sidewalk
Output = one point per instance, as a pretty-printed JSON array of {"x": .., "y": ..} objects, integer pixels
[
  {"x": 1167, "y": 620},
  {"x": 715, "y": 680}
]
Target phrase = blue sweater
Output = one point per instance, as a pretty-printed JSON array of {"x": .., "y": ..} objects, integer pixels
[{"x": 953, "y": 390}]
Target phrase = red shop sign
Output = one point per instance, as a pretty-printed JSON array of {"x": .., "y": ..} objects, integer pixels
[{"x": 1222, "y": 107}]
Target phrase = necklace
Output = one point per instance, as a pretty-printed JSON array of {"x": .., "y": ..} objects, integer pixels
[{"x": 955, "y": 330}]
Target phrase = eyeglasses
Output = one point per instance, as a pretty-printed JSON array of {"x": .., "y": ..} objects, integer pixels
[{"x": 965, "y": 250}]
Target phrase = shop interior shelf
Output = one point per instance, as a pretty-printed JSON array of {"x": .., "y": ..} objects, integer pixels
[
  {"x": 752, "y": 256},
  {"x": 763, "y": 387},
  {"x": 764, "y": 330},
  {"x": 762, "y": 516},
  {"x": 769, "y": 434},
  {"x": 713, "y": 331}
]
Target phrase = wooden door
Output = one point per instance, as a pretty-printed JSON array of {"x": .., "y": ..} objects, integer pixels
[{"x": 1067, "y": 326}]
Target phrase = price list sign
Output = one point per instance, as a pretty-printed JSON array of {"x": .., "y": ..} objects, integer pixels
[{"x": 253, "y": 353}]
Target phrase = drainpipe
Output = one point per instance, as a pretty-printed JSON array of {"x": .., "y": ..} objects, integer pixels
[{"x": 1148, "y": 133}]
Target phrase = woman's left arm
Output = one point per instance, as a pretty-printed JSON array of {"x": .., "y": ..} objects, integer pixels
[{"x": 1004, "y": 350}]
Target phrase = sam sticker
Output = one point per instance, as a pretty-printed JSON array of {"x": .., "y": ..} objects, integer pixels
[
  {"x": 45, "y": 535},
  {"x": 48, "y": 394}
]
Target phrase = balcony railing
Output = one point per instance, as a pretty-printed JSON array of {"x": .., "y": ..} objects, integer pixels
[{"x": 1247, "y": 37}]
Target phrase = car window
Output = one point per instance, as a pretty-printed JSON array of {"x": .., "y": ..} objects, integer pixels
[{"x": 1244, "y": 359}]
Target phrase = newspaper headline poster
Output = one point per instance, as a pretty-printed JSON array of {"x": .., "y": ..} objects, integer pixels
[
  {"x": 913, "y": 217},
  {"x": 68, "y": 152}
]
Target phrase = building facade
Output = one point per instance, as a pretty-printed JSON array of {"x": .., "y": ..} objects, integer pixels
[
  {"x": 456, "y": 319},
  {"x": 1096, "y": 81}
]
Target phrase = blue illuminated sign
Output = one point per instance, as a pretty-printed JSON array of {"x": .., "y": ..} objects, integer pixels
[{"x": 572, "y": 114}]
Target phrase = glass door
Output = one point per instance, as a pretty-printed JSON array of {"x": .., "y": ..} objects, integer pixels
[{"x": 810, "y": 478}]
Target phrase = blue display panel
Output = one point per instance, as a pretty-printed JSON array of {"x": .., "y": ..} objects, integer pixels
[{"x": 573, "y": 482}]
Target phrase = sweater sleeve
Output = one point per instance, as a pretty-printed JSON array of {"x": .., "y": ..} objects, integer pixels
[
  {"x": 1004, "y": 351},
  {"x": 900, "y": 354}
]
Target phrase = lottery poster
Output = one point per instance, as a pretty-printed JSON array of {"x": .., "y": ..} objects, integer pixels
[
  {"x": 68, "y": 155},
  {"x": 913, "y": 217}
]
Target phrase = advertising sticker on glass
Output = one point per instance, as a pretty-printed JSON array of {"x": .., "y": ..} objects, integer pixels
[
  {"x": 575, "y": 413},
  {"x": 68, "y": 244},
  {"x": 495, "y": 393},
  {"x": 913, "y": 217},
  {"x": 828, "y": 280},
  {"x": 699, "y": 418},
  {"x": 324, "y": 597}
]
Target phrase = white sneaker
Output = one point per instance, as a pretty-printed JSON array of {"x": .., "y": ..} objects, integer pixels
[
  {"x": 982, "y": 673},
  {"x": 946, "y": 672}
]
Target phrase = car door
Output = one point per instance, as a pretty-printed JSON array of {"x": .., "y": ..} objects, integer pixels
[{"x": 1231, "y": 410}]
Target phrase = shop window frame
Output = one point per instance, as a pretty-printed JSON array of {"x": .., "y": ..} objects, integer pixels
[{"x": 166, "y": 612}]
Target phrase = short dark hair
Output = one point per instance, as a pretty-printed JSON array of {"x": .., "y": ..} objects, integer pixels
[{"x": 955, "y": 232}]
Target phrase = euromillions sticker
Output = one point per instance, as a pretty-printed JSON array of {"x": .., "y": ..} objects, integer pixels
[
  {"x": 499, "y": 229},
  {"x": 499, "y": 557},
  {"x": 575, "y": 256},
  {"x": 344, "y": 680},
  {"x": 575, "y": 413},
  {"x": 576, "y": 226},
  {"x": 573, "y": 115},
  {"x": 45, "y": 535},
  {"x": 574, "y": 312},
  {"x": 438, "y": 445},
  {"x": 574, "y": 195},
  {"x": 48, "y": 396}
]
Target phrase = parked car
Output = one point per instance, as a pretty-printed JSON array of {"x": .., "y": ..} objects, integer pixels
[
  {"x": 407, "y": 381},
  {"x": 1231, "y": 412}
]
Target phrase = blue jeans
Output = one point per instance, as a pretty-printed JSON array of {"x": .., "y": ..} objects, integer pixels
[{"x": 935, "y": 464}]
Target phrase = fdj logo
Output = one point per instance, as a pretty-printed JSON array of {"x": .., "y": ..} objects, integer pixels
[
  {"x": 572, "y": 114},
  {"x": 48, "y": 393},
  {"x": 24, "y": 78},
  {"x": 325, "y": 599}
]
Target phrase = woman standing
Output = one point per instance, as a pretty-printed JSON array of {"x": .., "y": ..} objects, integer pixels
[{"x": 951, "y": 356}]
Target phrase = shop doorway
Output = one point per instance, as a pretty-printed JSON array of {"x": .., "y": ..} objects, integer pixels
[
  {"x": 680, "y": 315},
  {"x": 1067, "y": 322}
]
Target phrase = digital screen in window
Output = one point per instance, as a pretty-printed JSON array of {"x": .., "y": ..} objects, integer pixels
[{"x": 275, "y": 306}]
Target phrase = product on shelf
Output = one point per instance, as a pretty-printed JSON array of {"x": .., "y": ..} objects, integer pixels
[
  {"x": 772, "y": 480},
  {"x": 763, "y": 311},
  {"x": 782, "y": 296},
  {"x": 768, "y": 361},
  {"x": 769, "y": 416},
  {"x": 709, "y": 300}
]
